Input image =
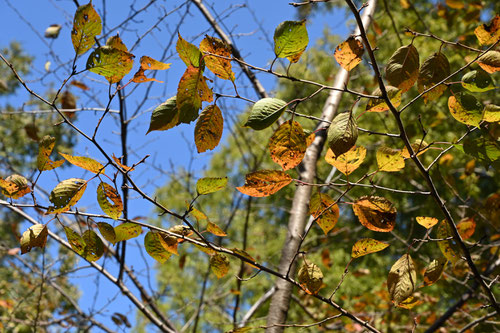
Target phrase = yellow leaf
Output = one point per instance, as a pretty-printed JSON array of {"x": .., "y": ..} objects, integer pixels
[
  {"x": 107, "y": 231},
  {"x": 389, "y": 159},
  {"x": 379, "y": 105},
  {"x": 375, "y": 213},
  {"x": 288, "y": 145},
  {"x": 218, "y": 60},
  {"x": 264, "y": 183},
  {"x": 86, "y": 26},
  {"x": 434, "y": 270},
  {"x": 448, "y": 247},
  {"x": 488, "y": 34},
  {"x": 215, "y": 229},
  {"x": 126, "y": 231},
  {"x": 402, "y": 279},
  {"x": 152, "y": 64},
  {"x": 35, "y": 236},
  {"x": 191, "y": 92},
  {"x": 290, "y": 40},
  {"x": 14, "y": 186},
  {"x": 111, "y": 63},
  {"x": 86, "y": 163},
  {"x": 45, "y": 148},
  {"x": 466, "y": 227},
  {"x": 116, "y": 43},
  {"x": 466, "y": 109},
  {"x": 347, "y": 162},
  {"x": 310, "y": 278},
  {"x": 219, "y": 264},
  {"x": 419, "y": 147},
  {"x": 208, "y": 129},
  {"x": 427, "y": 222},
  {"x": 324, "y": 210},
  {"x": 366, "y": 246},
  {"x": 153, "y": 242},
  {"x": 348, "y": 53},
  {"x": 105, "y": 194}
]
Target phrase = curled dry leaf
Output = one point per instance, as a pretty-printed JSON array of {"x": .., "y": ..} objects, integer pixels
[
  {"x": 35, "y": 236},
  {"x": 488, "y": 34},
  {"x": 66, "y": 194},
  {"x": 434, "y": 271},
  {"x": 14, "y": 186}
]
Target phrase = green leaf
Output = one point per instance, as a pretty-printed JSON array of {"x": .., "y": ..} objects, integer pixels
[
  {"x": 290, "y": 40},
  {"x": 402, "y": 279},
  {"x": 265, "y": 112},
  {"x": 379, "y": 105},
  {"x": 86, "y": 26},
  {"x": 107, "y": 231},
  {"x": 219, "y": 264},
  {"x": 94, "y": 247},
  {"x": 188, "y": 52},
  {"x": 342, "y": 133},
  {"x": 402, "y": 69},
  {"x": 433, "y": 70},
  {"x": 324, "y": 209},
  {"x": 109, "y": 200},
  {"x": 66, "y": 194},
  {"x": 126, "y": 231},
  {"x": 45, "y": 148},
  {"x": 192, "y": 90},
  {"x": 366, "y": 246},
  {"x": 288, "y": 145},
  {"x": 86, "y": 163},
  {"x": 210, "y": 185},
  {"x": 154, "y": 244},
  {"x": 478, "y": 81},
  {"x": 310, "y": 277},
  {"x": 220, "y": 65},
  {"x": 491, "y": 113},
  {"x": 35, "y": 236},
  {"x": 111, "y": 63},
  {"x": 208, "y": 129},
  {"x": 165, "y": 116},
  {"x": 486, "y": 151},
  {"x": 75, "y": 240},
  {"x": 434, "y": 271},
  {"x": 466, "y": 109}
]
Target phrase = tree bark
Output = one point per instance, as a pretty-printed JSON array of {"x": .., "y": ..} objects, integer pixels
[{"x": 280, "y": 301}]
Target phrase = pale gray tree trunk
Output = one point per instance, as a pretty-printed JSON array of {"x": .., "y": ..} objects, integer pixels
[{"x": 299, "y": 214}]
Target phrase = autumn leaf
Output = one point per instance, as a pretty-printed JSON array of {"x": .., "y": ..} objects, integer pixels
[
  {"x": 478, "y": 81},
  {"x": 191, "y": 92},
  {"x": 14, "y": 186},
  {"x": 466, "y": 109},
  {"x": 427, "y": 222},
  {"x": 35, "y": 236},
  {"x": 209, "y": 185},
  {"x": 45, "y": 147},
  {"x": 366, "y": 246},
  {"x": 154, "y": 245},
  {"x": 433, "y": 70},
  {"x": 66, "y": 194},
  {"x": 208, "y": 129},
  {"x": 488, "y": 33},
  {"x": 466, "y": 227},
  {"x": 214, "y": 229},
  {"x": 109, "y": 200},
  {"x": 75, "y": 240},
  {"x": 402, "y": 279},
  {"x": 119, "y": 162},
  {"x": 264, "y": 183},
  {"x": 434, "y": 271},
  {"x": 375, "y": 213},
  {"x": 347, "y": 162},
  {"x": 111, "y": 63},
  {"x": 342, "y": 133},
  {"x": 126, "y": 231},
  {"x": 290, "y": 40},
  {"x": 389, "y": 159},
  {"x": 86, "y": 163},
  {"x": 188, "y": 52},
  {"x": 165, "y": 116},
  {"x": 348, "y": 53},
  {"x": 219, "y": 63},
  {"x": 148, "y": 63},
  {"x": 490, "y": 61},
  {"x": 288, "y": 145},
  {"x": 116, "y": 43},
  {"x": 94, "y": 247},
  {"x": 419, "y": 147},
  {"x": 310, "y": 277},
  {"x": 52, "y": 31},
  {"x": 86, "y": 26},
  {"x": 401, "y": 70},
  {"x": 219, "y": 264},
  {"x": 447, "y": 245},
  {"x": 491, "y": 113},
  {"x": 324, "y": 210},
  {"x": 379, "y": 105},
  {"x": 107, "y": 231},
  {"x": 265, "y": 112}
]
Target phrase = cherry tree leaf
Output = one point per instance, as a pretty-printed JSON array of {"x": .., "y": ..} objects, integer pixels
[
  {"x": 191, "y": 92},
  {"x": 14, "y": 186},
  {"x": 342, "y": 133},
  {"x": 265, "y": 112},
  {"x": 434, "y": 271},
  {"x": 209, "y": 185},
  {"x": 220, "y": 65},
  {"x": 80, "y": 85},
  {"x": 347, "y": 162},
  {"x": 107, "y": 231},
  {"x": 86, "y": 26},
  {"x": 264, "y": 183},
  {"x": 219, "y": 264},
  {"x": 66, "y": 194},
  {"x": 348, "y": 53},
  {"x": 466, "y": 227},
  {"x": 86, "y": 163},
  {"x": 324, "y": 210},
  {"x": 375, "y": 213},
  {"x": 152, "y": 64},
  {"x": 288, "y": 145},
  {"x": 448, "y": 247},
  {"x": 389, "y": 159},
  {"x": 488, "y": 34},
  {"x": 491, "y": 113},
  {"x": 426, "y": 221},
  {"x": 379, "y": 105},
  {"x": 170, "y": 243},
  {"x": 153, "y": 242},
  {"x": 215, "y": 229},
  {"x": 94, "y": 247},
  {"x": 402, "y": 279},
  {"x": 119, "y": 162},
  {"x": 466, "y": 109},
  {"x": 419, "y": 147},
  {"x": 433, "y": 70},
  {"x": 116, "y": 43},
  {"x": 245, "y": 254},
  {"x": 366, "y": 246},
  {"x": 402, "y": 68},
  {"x": 478, "y": 81},
  {"x": 165, "y": 116},
  {"x": 109, "y": 200},
  {"x": 410, "y": 303},
  {"x": 490, "y": 61},
  {"x": 111, "y": 63},
  {"x": 208, "y": 129},
  {"x": 45, "y": 147},
  {"x": 290, "y": 40},
  {"x": 126, "y": 231},
  {"x": 140, "y": 77},
  {"x": 35, "y": 236},
  {"x": 188, "y": 52},
  {"x": 310, "y": 278},
  {"x": 75, "y": 240}
]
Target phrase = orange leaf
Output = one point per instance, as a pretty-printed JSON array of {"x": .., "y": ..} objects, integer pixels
[
  {"x": 220, "y": 65},
  {"x": 215, "y": 229},
  {"x": 488, "y": 34},
  {"x": 348, "y": 54},
  {"x": 466, "y": 227},
  {"x": 324, "y": 210},
  {"x": 208, "y": 129},
  {"x": 427, "y": 222},
  {"x": 124, "y": 167},
  {"x": 264, "y": 183},
  {"x": 288, "y": 145},
  {"x": 375, "y": 213},
  {"x": 490, "y": 61},
  {"x": 192, "y": 90},
  {"x": 347, "y": 162},
  {"x": 152, "y": 64}
]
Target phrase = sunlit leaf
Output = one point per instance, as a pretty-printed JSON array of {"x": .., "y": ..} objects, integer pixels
[
  {"x": 375, "y": 213},
  {"x": 410, "y": 303},
  {"x": 182, "y": 230},
  {"x": 80, "y": 85},
  {"x": 215, "y": 229},
  {"x": 140, "y": 77},
  {"x": 434, "y": 69},
  {"x": 455, "y": 4},
  {"x": 165, "y": 116},
  {"x": 109, "y": 200},
  {"x": 94, "y": 248},
  {"x": 45, "y": 148},
  {"x": 290, "y": 40},
  {"x": 348, "y": 53},
  {"x": 75, "y": 240},
  {"x": 426, "y": 221},
  {"x": 265, "y": 112},
  {"x": 402, "y": 68},
  {"x": 389, "y": 159},
  {"x": 448, "y": 247},
  {"x": 245, "y": 254},
  {"x": 491, "y": 113},
  {"x": 366, "y": 246},
  {"x": 188, "y": 52},
  {"x": 86, "y": 163},
  {"x": 170, "y": 243},
  {"x": 86, "y": 26},
  {"x": 126, "y": 231},
  {"x": 324, "y": 210},
  {"x": 478, "y": 81},
  {"x": 419, "y": 147},
  {"x": 209, "y": 185},
  {"x": 402, "y": 279},
  {"x": 192, "y": 90},
  {"x": 208, "y": 129},
  {"x": 342, "y": 133},
  {"x": 66, "y": 194},
  {"x": 264, "y": 183},
  {"x": 153, "y": 242},
  {"x": 466, "y": 227},
  {"x": 379, "y": 105},
  {"x": 124, "y": 167},
  {"x": 111, "y": 63},
  {"x": 107, "y": 231},
  {"x": 116, "y": 43},
  {"x": 220, "y": 65},
  {"x": 490, "y": 61},
  {"x": 485, "y": 151},
  {"x": 310, "y": 277},
  {"x": 152, "y": 64},
  {"x": 197, "y": 214},
  {"x": 488, "y": 33},
  {"x": 219, "y": 264},
  {"x": 288, "y": 145},
  {"x": 14, "y": 186},
  {"x": 347, "y": 162},
  {"x": 434, "y": 271},
  {"x": 53, "y": 31},
  {"x": 466, "y": 109},
  {"x": 35, "y": 236}
]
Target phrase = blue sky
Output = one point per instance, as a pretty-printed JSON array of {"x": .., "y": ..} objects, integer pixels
[{"x": 252, "y": 28}]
